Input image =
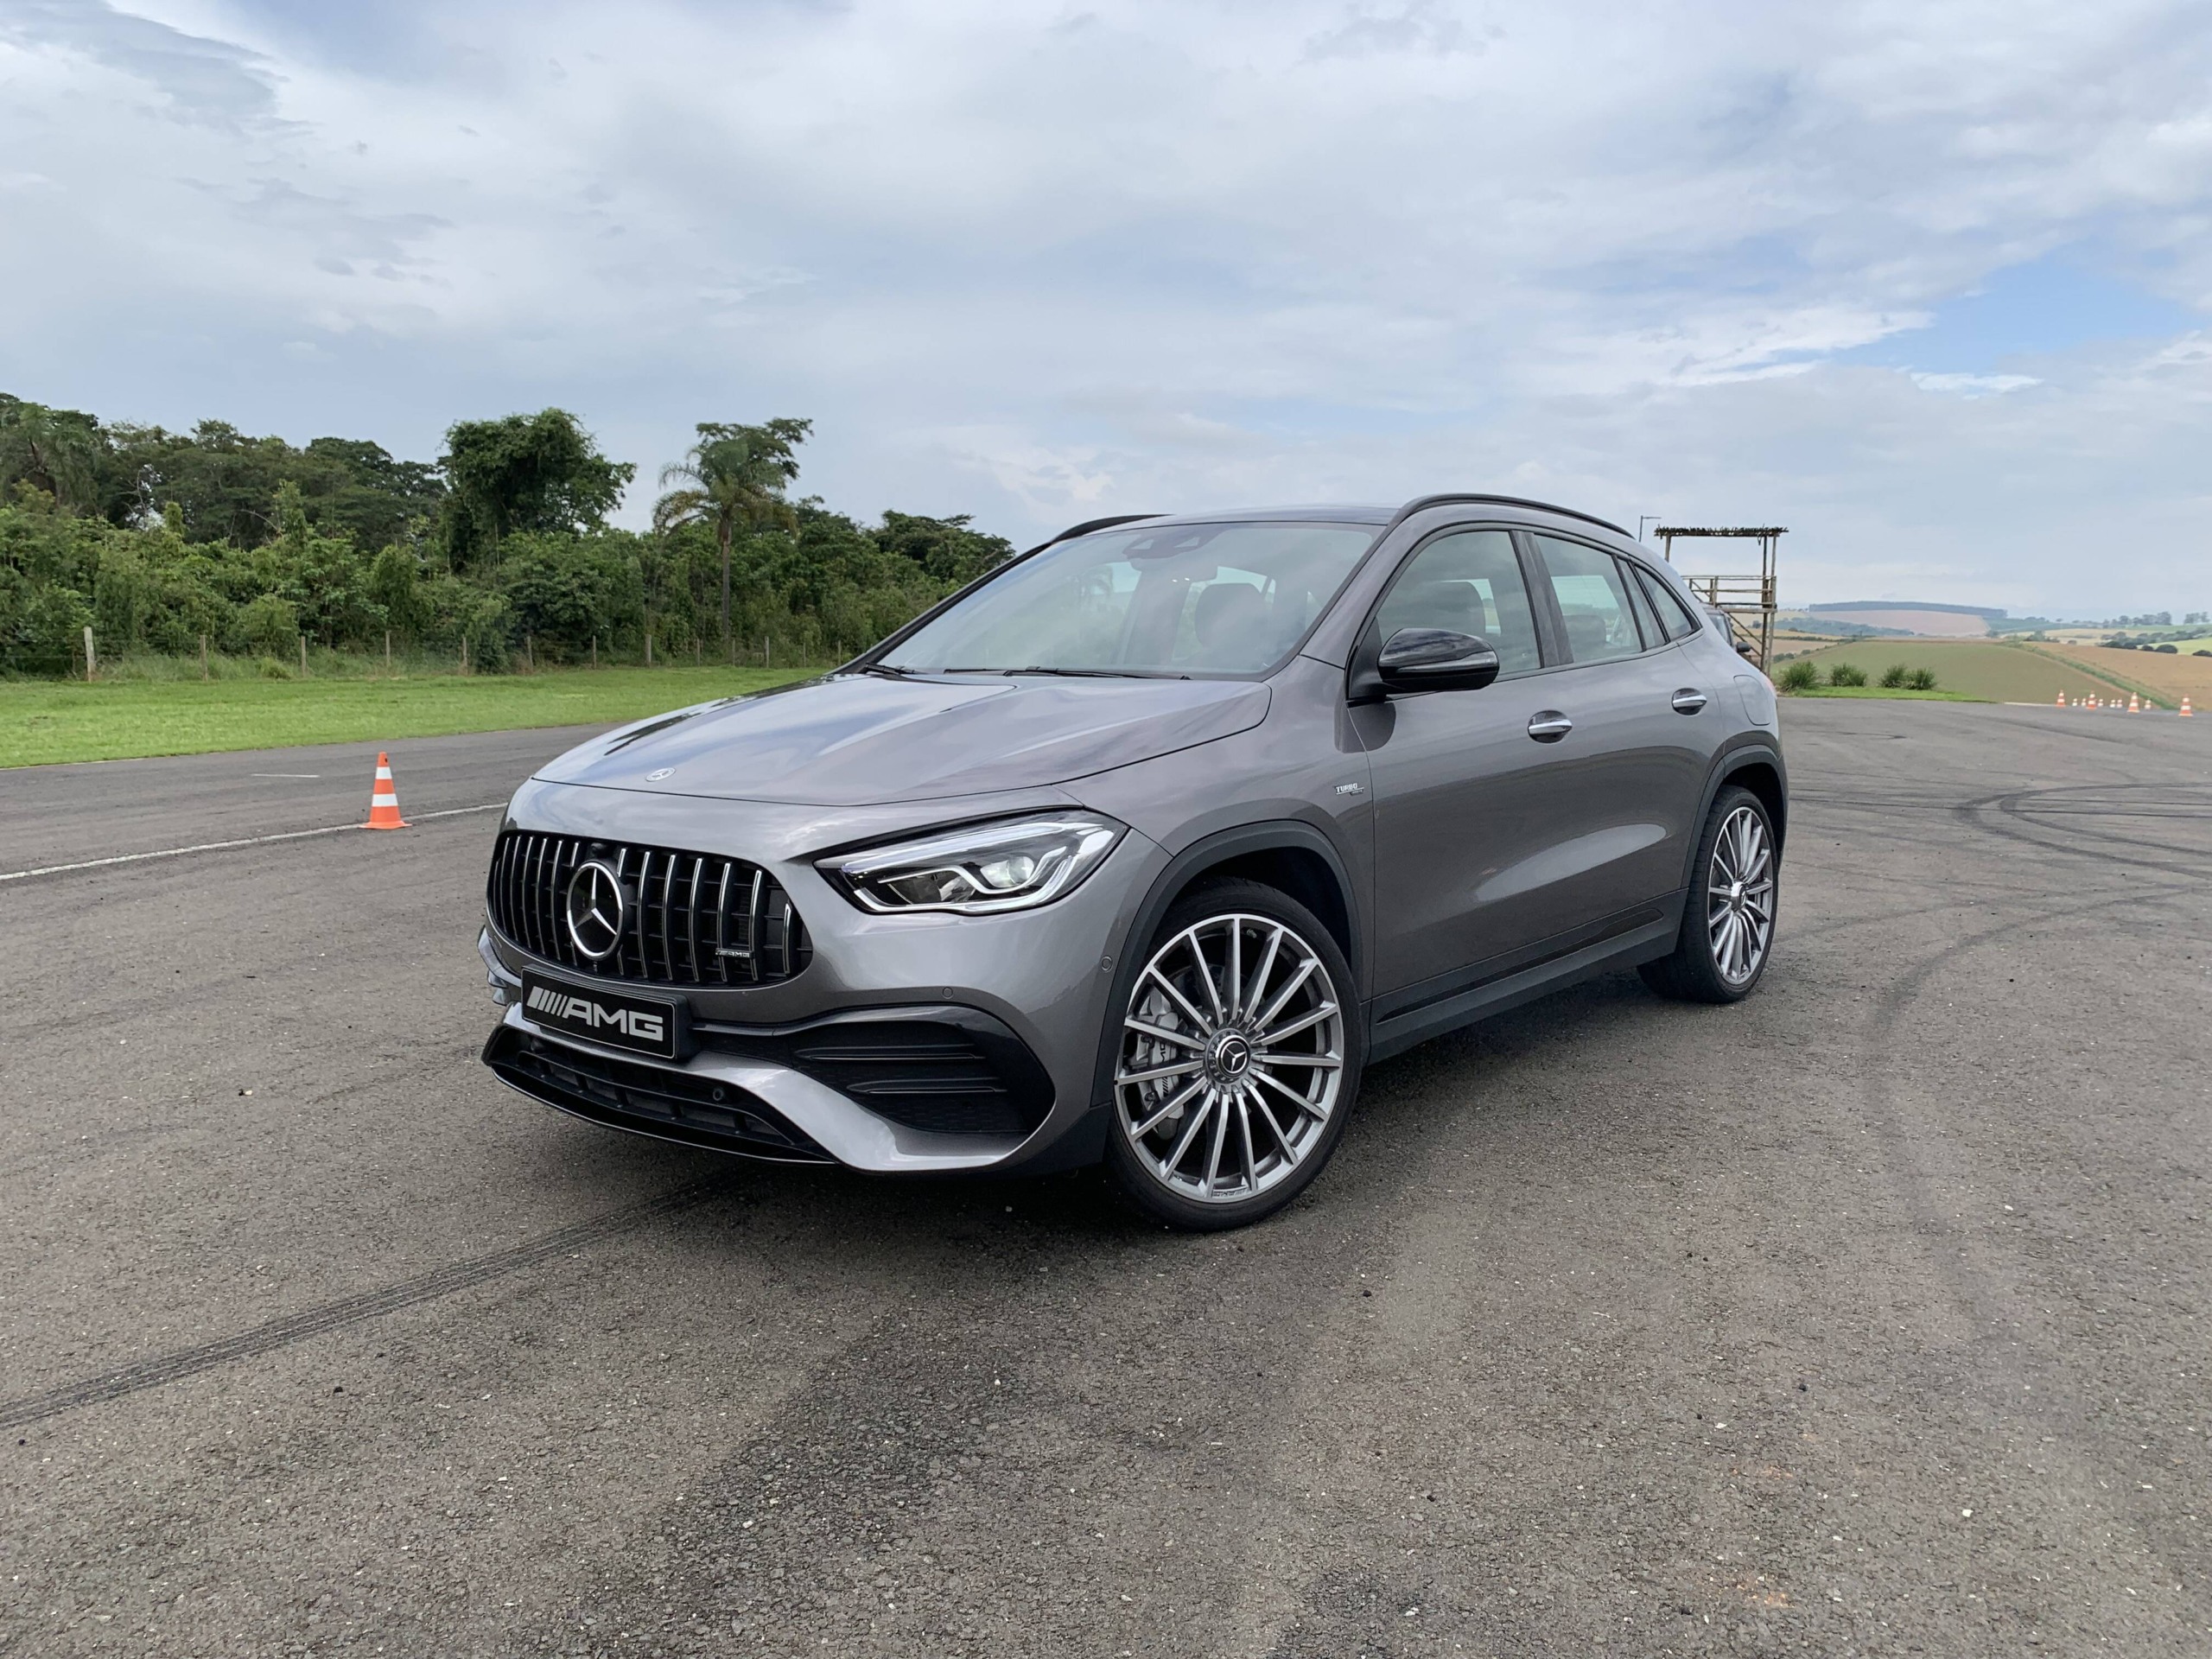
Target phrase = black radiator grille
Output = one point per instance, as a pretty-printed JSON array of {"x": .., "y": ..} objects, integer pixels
[
  {"x": 689, "y": 919},
  {"x": 651, "y": 1099},
  {"x": 950, "y": 1070}
]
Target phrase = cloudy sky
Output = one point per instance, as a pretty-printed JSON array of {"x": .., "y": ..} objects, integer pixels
[{"x": 1929, "y": 283}]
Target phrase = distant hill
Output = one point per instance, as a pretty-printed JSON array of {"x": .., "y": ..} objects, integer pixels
[
  {"x": 1905, "y": 605},
  {"x": 1913, "y": 616}
]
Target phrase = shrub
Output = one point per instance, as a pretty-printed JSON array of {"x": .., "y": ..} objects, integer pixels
[
  {"x": 1921, "y": 679},
  {"x": 563, "y": 590},
  {"x": 50, "y": 630},
  {"x": 1845, "y": 674},
  {"x": 1893, "y": 676},
  {"x": 1799, "y": 675},
  {"x": 121, "y": 598},
  {"x": 269, "y": 625}
]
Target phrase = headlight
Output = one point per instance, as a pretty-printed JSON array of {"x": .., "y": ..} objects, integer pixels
[{"x": 1015, "y": 864}]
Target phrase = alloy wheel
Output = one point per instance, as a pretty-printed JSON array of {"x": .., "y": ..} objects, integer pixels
[
  {"x": 1232, "y": 1058},
  {"x": 1739, "y": 896}
]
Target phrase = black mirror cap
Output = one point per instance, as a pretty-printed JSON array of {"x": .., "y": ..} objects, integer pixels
[{"x": 1436, "y": 659}]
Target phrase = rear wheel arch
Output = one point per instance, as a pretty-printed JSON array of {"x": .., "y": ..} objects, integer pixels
[
  {"x": 1763, "y": 778},
  {"x": 1757, "y": 767}
]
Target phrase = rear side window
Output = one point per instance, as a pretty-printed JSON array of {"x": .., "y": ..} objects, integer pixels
[
  {"x": 1673, "y": 616},
  {"x": 1470, "y": 583},
  {"x": 1593, "y": 601},
  {"x": 1647, "y": 623}
]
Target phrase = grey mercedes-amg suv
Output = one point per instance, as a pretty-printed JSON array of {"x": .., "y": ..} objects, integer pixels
[{"x": 1140, "y": 847}]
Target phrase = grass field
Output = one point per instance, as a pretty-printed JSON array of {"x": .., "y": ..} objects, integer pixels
[
  {"x": 1887, "y": 692},
  {"x": 2170, "y": 678},
  {"x": 1994, "y": 672},
  {"x": 42, "y": 721}
]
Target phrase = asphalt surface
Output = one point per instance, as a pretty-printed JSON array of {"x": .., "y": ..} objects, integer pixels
[{"x": 1867, "y": 1317}]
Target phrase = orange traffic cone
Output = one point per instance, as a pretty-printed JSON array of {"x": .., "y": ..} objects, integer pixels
[
  {"x": 383, "y": 799},
  {"x": 2061, "y": 700},
  {"x": 2133, "y": 706},
  {"x": 2184, "y": 705}
]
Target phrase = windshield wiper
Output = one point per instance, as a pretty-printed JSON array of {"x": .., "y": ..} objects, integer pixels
[{"x": 887, "y": 671}]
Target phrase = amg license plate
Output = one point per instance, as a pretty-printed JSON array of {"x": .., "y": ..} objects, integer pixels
[{"x": 646, "y": 1025}]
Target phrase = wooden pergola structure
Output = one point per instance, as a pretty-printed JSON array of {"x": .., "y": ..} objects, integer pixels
[{"x": 1747, "y": 601}]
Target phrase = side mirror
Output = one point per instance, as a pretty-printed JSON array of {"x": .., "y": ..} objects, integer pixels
[{"x": 1436, "y": 659}]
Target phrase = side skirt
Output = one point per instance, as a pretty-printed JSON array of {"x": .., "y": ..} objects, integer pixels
[{"x": 1399, "y": 1031}]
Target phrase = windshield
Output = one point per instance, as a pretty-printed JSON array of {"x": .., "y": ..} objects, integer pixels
[{"x": 1175, "y": 599}]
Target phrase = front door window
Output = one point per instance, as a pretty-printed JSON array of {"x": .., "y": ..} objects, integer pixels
[{"x": 1468, "y": 581}]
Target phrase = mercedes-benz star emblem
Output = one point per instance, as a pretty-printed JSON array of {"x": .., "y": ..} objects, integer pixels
[{"x": 596, "y": 910}]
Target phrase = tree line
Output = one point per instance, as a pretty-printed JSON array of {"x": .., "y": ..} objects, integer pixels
[{"x": 172, "y": 542}]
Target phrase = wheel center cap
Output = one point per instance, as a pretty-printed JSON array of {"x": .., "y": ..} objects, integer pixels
[{"x": 1231, "y": 1055}]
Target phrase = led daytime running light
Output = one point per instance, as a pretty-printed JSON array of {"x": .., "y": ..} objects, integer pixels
[{"x": 980, "y": 870}]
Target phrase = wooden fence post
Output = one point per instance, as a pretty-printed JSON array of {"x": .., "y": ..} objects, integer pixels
[
  {"x": 594, "y": 650},
  {"x": 464, "y": 653},
  {"x": 387, "y": 653},
  {"x": 303, "y": 656},
  {"x": 649, "y": 649},
  {"x": 203, "y": 656},
  {"x": 91, "y": 661}
]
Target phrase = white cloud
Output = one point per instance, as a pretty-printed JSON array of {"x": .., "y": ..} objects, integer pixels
[
  {"x": 1045, "y": 262},
  {"x": 1974, "y": 385}
]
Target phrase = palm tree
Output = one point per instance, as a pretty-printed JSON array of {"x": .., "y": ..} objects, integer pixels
[{"x": 733, "y": 479}]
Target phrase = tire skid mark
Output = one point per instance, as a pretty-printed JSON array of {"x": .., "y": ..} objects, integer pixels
[
  {"x": 1982, "y": 1365},
  {"x": 914, "y": 1497},
  {"x": 2019, "y": 806},
  {"x": 179, "y": 1363}
]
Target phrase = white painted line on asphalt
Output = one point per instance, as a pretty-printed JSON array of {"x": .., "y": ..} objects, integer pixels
[
  {"x": 220, "y": 846},
  {"x": 287, "y": 774}
]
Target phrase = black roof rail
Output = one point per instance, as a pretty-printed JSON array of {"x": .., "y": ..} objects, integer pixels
[
  {"x": 1419, "y": 502},
  {"x": 1087, "y": 526}
]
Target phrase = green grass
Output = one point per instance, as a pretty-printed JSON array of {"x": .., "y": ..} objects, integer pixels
[
  {"x": 1887, "y": 692},
  {"x": 42, "y": 721},
  {"x": 1986, "y": 671}
]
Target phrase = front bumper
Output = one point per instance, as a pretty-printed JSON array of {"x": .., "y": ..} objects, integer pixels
[{"x": 1024, "y": 992}]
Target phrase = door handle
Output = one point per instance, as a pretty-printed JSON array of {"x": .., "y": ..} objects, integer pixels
[
  {"x": 1688, "y": 700},
  {"x": 1549, "y": 726}
]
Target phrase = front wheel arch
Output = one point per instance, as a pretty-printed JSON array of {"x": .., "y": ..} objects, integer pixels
[{"x": 1289, "y": 849}]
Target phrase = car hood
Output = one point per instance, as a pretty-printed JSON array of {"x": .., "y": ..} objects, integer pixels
[{"x": 855, "y": 740}]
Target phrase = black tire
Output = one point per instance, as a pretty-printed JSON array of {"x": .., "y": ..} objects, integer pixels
[
  {"x": 1695, "y": 972},
  {"x": 1275, "y": 1168}
]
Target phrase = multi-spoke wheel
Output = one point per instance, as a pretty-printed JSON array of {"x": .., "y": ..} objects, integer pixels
[
  {"x": 1728, "y": 918},
  {"x": 1740, "y": 895},
  {"x": 1237, "y": 1058}
]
